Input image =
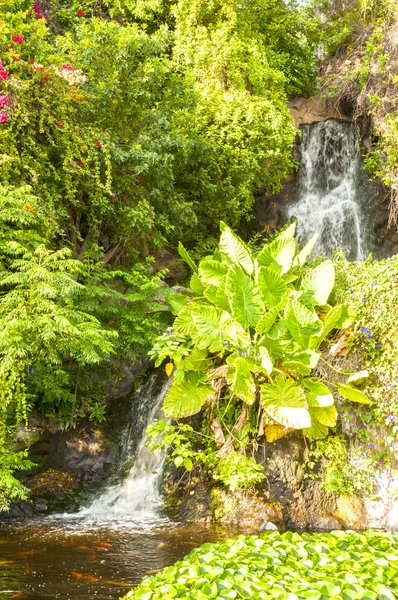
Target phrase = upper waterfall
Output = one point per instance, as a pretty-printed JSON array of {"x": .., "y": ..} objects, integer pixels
[{"x": 329, "y": 200}]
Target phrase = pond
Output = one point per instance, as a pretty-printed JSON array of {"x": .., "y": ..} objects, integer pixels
[{"x": 61, "y": 558}]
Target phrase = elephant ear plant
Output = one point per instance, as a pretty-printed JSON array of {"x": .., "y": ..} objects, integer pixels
[{"x": 249, "y": 331}]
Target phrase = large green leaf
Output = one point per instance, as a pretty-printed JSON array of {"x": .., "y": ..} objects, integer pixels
[
  {"x": 242, "y": 383},
  {"x": 276, "y": 348},
  {"x": 266, "y": 361},
  {"x": 197, "y": 360},
  {"x": 325, "y": 415},
  {"x": 317, "y": 393},
  {"x": 318, "y": 284},
  {"x": 317, "y": 431},
  {"x": 234, "y": 251},
  {"x": 301, "y": 322},
  {"x": 285, "y": 402},
  {"x": 186, "y": 257},
  {"x": 271, "y": 286},
  {"x": 187, "y": 396},
  {"x": 280, "y": 251},
  {"x": 177, "y": 302},
  {"x": 302, "y": 256},
  {"x": 196, "y": 285},
  {"x": 218, "y": 297},
  {"x": 205, "y": 324},
  {"x": 212, "y": 272},
  {"x": 268, "y": 320},
  {"x": 301, "y": 362},
  {"x": 331, "y": 321},
  {"x": 244, "y": 297},
  {"x": 353, "y": 394}
]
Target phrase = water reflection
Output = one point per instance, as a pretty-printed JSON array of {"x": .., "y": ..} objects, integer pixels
[{"x": 72, "y": 559}]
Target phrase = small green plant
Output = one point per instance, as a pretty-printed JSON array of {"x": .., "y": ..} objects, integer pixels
[{"x": 239, "y": 471}]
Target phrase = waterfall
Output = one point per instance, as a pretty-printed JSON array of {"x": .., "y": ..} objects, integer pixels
[
  {"x": 138, "y": 496},
  {"x": 330, "y": 199}
]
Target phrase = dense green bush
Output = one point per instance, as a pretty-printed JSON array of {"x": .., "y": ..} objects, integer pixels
[{"x": 339, "y": 565}]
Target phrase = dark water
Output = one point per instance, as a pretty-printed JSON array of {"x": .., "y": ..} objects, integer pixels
[{"x": 61, "y": 559}]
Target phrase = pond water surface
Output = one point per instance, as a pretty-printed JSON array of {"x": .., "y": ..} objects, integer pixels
[{"x": 60, "y": 558}]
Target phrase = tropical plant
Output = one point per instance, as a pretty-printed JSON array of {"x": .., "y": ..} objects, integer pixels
[
  {"x": 291, "y": 566},
  {"x": 250, "y": 329}
]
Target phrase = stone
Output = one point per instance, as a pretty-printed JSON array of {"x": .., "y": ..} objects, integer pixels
[
  {"x": 315, "y": 110},
  {"x": 244, "y": 508},
  {"x": 351, "y": 512}
]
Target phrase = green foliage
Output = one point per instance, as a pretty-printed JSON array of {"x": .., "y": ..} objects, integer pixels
[
  {"x": 338, "y": 474},
  {"x": 371, "y": 287},
  {"x": 245, "y": 341},
  {"x": 239, "y": 471},
  {"x": 289, "y": 566}
]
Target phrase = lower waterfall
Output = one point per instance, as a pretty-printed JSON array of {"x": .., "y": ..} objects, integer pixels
[
  {"x": 331, "y": 199},
  {"x": 138, "y": 496}
]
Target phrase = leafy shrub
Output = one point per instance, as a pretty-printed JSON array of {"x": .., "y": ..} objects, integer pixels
[{"x": 291, "y": 566}]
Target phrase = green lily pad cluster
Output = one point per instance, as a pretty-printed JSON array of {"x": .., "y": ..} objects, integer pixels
[{"x": 337, "y": 565}]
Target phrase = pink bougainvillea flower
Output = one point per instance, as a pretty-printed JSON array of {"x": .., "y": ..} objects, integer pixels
[
  {"x": 3, "y": 117},
  {"x": 98, "y": 144},
  {"x": 3, "y": 74},
  {"x": 18, "y": 39},
  {"x": 36, "y": 7},
  {"x": 59, "y": 123},
  {"x": 3, "y": 100},
  {"x": 80, "y": 163},
  {"x": 80, "y": 13},
  {"x": 67, "y": 67}
]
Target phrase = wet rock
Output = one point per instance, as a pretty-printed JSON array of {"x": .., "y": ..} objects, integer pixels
[{"x": 244, "y": 508}]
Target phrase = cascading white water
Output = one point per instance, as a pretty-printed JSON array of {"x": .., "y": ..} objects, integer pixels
[
  {"x": 137, "y": 497},
  {"x": 329, "y": 197}
]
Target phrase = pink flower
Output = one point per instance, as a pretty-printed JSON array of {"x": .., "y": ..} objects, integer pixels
[
  {"x": 67, "y": 67},
  {"x": 36, "y": 66},
  {"x": 80, "y": 163},
  {"x": 3, "y": 117},
  {"x": 18, "y": 39},
  {"x": 3, "y": 100},
  {"x": 98, "y": 144},
  {"x": 80, "y": 13},
  {"x": 36, "y": 7},
  {"x": 3, "y": 74},
  {"x": 16, "y": 58},
  {"x": 59, "y": 123}
]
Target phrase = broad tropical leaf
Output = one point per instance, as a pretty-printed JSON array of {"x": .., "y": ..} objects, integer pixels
[
  {"x": 317, "y": 431},
  {"x": 302, "y": 362},
  {"x": 359, "y": 377},
  {"x": 318, "y": 284},
  {"x": 302, "y": 256},
  {"x": 217, "y": 296},
  {"x": 267, "y": 321},
  {"x": 325, "y": 415},
  {"x": 271, "y": 285},
  {"x": 205, "y": 324},
  {"x": 266, "y": 361},
  {"x": 301, "y": 322},
  {"x": 186, "y": 258},
  {"x": 212, "y": 272},
  {"x": 280, "y": 251},
  {"x": 196, "y": 361},
  {"x": 285, "y": 402},
  {"x": 196, "y": 285},
  {"x": 331, "y": 322},
  {"x": 242, "y": 383},
  {"x": 353, "y": 394},
  {"x": 317, "y": 393},
  {"x": 244, "y": 297},
  {"x": 186, "y": 396},
  {"x": 234, "y": 251},
  {"x": 177, "y": 302}
]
